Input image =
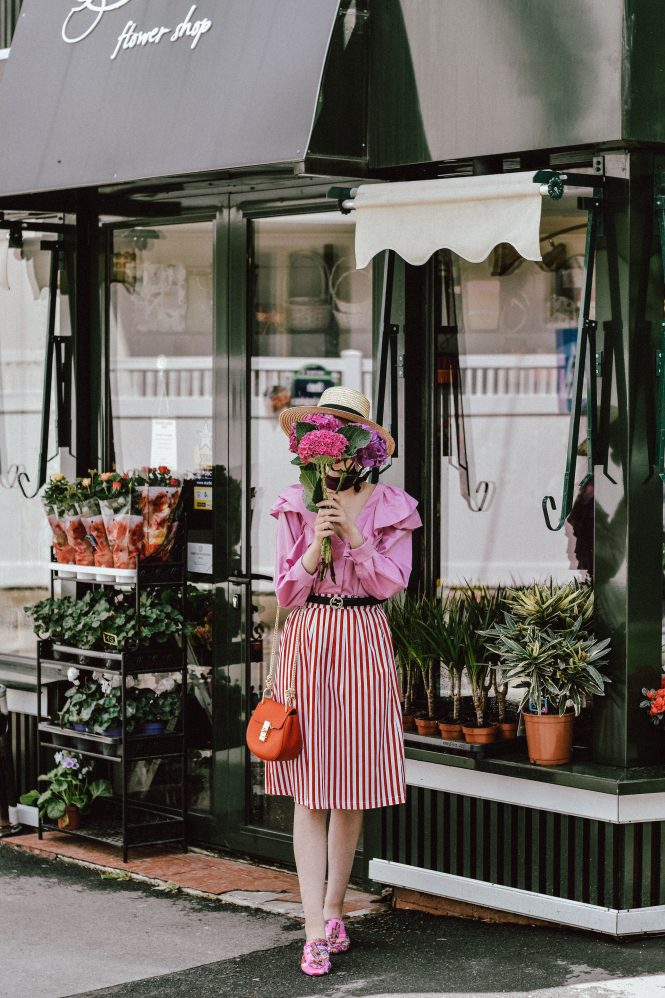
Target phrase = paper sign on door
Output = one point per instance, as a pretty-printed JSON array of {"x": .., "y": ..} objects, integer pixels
[{"x": 164, "y": 444}]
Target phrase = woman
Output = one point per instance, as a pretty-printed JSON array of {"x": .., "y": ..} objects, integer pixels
[{"x": 346, "y": 685}]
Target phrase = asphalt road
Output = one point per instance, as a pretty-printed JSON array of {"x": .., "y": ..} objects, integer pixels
[{"x": 68, "y": 933}]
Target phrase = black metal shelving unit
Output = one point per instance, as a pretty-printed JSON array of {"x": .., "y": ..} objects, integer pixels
[{"x": 120, "y": 821}]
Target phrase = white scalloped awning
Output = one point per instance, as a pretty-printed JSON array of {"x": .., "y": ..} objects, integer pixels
[{"x": 468, "y": 215}]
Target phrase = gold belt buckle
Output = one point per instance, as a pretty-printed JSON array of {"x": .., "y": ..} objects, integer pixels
[{"x": 337, "y": 601}]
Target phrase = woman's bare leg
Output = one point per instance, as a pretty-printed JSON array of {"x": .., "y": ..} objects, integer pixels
[
  {"x": 309, "y": 847},
  {"x": 343, "y": 835}
]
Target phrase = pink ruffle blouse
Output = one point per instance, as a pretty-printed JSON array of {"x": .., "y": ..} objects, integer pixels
[{"x": 379, "y": 567}]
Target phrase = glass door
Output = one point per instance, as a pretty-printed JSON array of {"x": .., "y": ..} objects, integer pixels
[
  {"x": 308, "y": 317},
  {"x": 160, "y": 398}
]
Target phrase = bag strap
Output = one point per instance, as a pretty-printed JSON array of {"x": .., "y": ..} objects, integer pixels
[{"x": 290, "y": 696}]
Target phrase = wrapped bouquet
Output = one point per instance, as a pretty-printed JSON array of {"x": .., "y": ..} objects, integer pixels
[
  {"x": 320, "y": 442},
  {"x": 160, "y": 493},
  {"x": 54, "y": 498}
]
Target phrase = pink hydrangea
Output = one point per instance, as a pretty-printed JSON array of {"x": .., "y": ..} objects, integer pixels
[
  {"x": 321, "y": 444},
  {"x": 322, "y": 421},
  {"x": 375, "y": 453}
]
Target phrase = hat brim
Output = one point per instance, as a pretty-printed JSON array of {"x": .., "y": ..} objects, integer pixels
[{"x": 297, "y": 413}]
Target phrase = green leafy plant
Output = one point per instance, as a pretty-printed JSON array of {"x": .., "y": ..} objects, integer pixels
[
  {"x": 411, "y": 621},
  {"x": 545, "y": 647},
  {"x": 483, "y": 610},
  {"x": 81, "y": 702},
  {"x": 161, "y": 704},
  {"x": 56, "y": 491},
  {"x": 67, "y": 785},
  {"x": 48, "y": 616},
  {"x": 399, "y": 626},
  {"x": 161, "y": 620}
]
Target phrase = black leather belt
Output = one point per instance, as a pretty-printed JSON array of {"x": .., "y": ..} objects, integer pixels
[{"x": 341, "y": 601}]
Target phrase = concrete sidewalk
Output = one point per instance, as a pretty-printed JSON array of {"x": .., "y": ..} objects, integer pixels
[
  {"x": 67, "y": 932},
  {"x": 202, "y": 874}
]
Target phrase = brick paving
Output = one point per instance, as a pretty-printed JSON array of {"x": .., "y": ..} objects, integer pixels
[{"x": 232, "y": 880}]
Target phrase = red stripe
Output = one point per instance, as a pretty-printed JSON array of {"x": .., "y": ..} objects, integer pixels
[{"x": 348, "y": 705}]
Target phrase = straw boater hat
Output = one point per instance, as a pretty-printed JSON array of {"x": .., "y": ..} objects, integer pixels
[{"x": 345, "y": 403}]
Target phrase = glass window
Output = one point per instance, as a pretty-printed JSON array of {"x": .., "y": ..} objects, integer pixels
[
  {"x": 24, "y": 275},
  {"x": 161, "y": 329},
  {"x": 508, "y": 423}
]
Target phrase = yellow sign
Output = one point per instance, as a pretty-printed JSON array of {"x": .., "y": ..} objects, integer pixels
[{"x": 203, "y": 497}]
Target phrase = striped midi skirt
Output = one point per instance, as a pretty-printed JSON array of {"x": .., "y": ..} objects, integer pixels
[{"x": 348, "y": 708}]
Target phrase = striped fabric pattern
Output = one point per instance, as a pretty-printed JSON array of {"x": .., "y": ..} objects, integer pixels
[{"x": 348, "y": 707}]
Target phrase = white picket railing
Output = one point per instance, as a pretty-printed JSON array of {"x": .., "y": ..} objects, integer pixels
[{"x": 493, "y": 384}]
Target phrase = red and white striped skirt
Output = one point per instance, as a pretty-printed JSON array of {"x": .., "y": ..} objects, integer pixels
[{"x": 348, "y": 707}]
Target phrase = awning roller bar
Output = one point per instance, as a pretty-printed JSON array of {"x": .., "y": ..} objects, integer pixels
[{"x": 552, "y": 184}]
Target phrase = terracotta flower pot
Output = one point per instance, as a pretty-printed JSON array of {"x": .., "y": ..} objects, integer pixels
[
  {"x": 451, "y": 731},
  {"x": 71, "y": 820},
  {"x": 506, "y": 731},
  {"x": 408, "y": 722},
  {"x": 549, "y": 738},
  {"x": 425, "y": 726},
  {"x": 480, "y": 736}
]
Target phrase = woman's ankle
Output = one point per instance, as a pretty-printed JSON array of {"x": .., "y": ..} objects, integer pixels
[
  {"x": 315, "y": 929},
  {"x": 333, "y": 911}
]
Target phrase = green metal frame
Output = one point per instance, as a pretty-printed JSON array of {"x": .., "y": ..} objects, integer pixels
[
  {"x": 584, "y": 370},
  {"x": 660, "y": 353}
]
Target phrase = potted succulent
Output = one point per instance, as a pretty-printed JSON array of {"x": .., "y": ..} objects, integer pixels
[
  {"x": 69, "y": 792},
  {"x": 546, "y": 648}
]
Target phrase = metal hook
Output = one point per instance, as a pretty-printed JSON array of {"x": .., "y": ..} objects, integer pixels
[
  {"x": 549, "y": 501},
  {"x": 19, "y": 478},
  {"x": 484, "y": 488}
]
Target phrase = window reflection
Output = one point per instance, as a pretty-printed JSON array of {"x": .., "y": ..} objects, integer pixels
[
  {"x": 162, "y": 406},
  {"x": 516, "y": 339},
  {"x": 26, "y": 537}
]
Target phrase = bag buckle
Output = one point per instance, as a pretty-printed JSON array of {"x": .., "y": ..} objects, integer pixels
[
  {"x": 265, "y": 728},
  {"x": 337, "y": 601}
]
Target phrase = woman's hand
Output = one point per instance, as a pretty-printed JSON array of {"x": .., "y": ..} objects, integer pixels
[
  {"x": 322, "y": 528},
  {"x": 335, "y": 518}
]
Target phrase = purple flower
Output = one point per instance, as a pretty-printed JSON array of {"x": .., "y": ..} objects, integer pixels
[
  {"x": 69, "y": 763},
  {"x": 375, "y": 453}
]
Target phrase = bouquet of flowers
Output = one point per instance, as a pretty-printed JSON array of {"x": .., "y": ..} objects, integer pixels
[
  {"x": 321, "y": 441},
  {"x": 654, "y": 702},
  {"x": 89, "y": 492},
  {"x": 123, "y": 520},
  {"x": 54, "y": 497},
  {"x": 160, "y": 492}
]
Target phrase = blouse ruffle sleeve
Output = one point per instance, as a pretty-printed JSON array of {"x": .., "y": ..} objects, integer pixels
[
  {"x": 293, "y": 583},
  {"x": 383, "y": 561}
]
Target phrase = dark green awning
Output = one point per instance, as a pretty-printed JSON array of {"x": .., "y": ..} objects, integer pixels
[{"x": 103, "y": 92}]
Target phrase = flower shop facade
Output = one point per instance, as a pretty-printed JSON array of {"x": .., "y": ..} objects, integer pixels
[{"x": 191, "y": 264}]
